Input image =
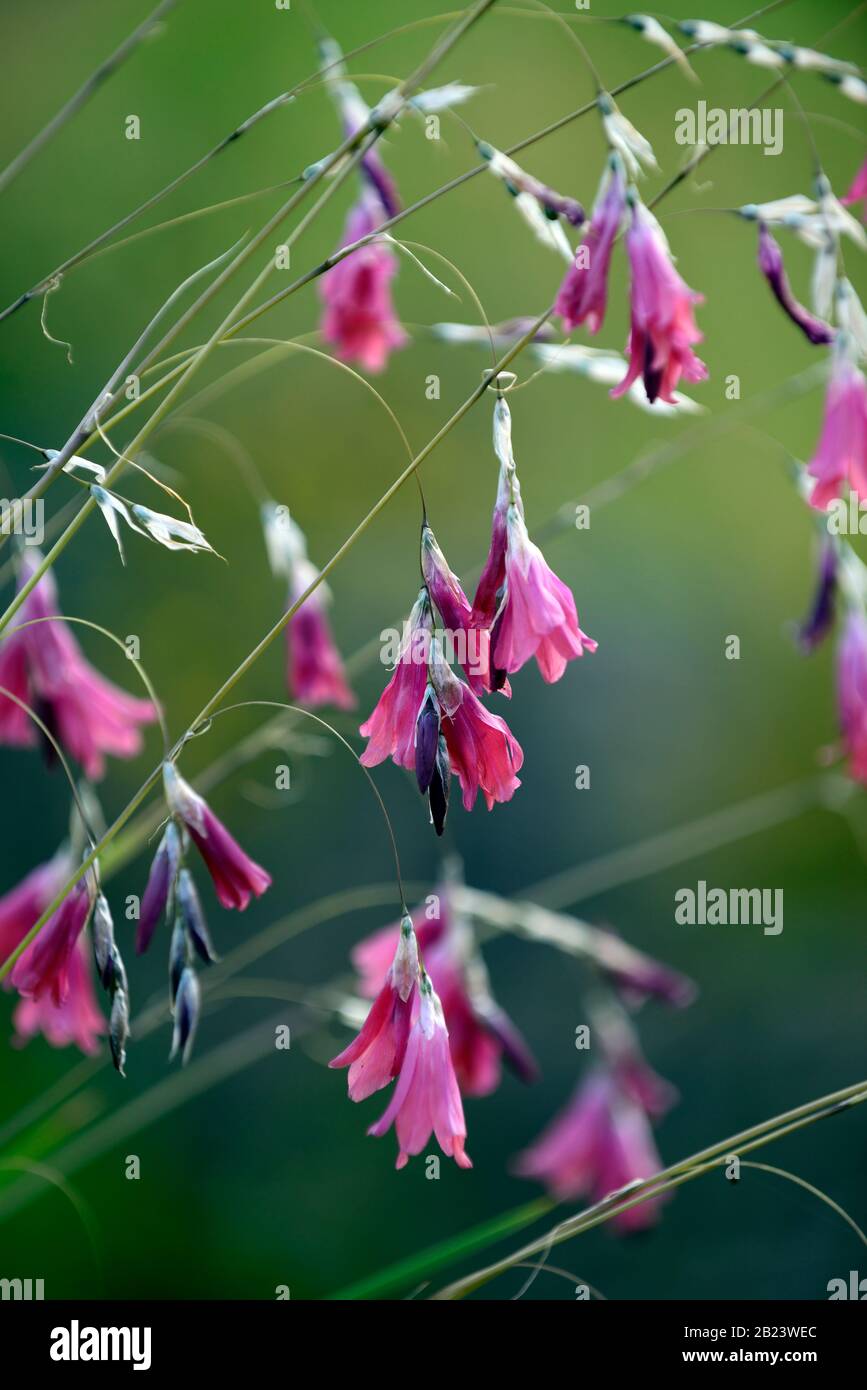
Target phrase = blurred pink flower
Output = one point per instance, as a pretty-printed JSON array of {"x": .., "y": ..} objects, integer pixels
[
  {"x": 583, "y": 293},
  {"x": 840, "y": 460},
  {"x": 858, "y": 191},
  {"x": 426, "y": 1098},
  {"x": 376, "y": 1055},
  {"x": 852, "y": 691},
  {"x": 359, "y": 319},
  {"x": 663, "y": 326},
  {"x": 236, "y": 877},
  {"x": 315, "y": 673},
  {"x": 598, "y": 1144},
  {"x": 44, "y": 666},
  {"x": 391, "y": 726},
  {"x": 76, "y": 1021}
]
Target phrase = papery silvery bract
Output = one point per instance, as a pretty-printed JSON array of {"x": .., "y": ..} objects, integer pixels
[{"x": 635, "y": 151}]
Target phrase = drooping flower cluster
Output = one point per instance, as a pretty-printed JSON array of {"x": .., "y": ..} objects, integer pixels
[
  {"x": 430, "y": 720},
  {"x": 42, "y": 665}
]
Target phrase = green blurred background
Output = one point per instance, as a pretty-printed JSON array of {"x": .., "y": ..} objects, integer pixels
[{"x": 267, "y": 1178}]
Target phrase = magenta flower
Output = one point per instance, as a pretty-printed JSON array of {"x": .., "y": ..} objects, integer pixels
[
  {"x": 858, "y": 191},
  {"x": 426, "y": 1098},
  {"x": 583, "y": 293},
  {"x": 538, "y": 617},
  {"x": 24, "y": 904},
  {"x": 236, "y": 877},
  {"x": 391, "y": 726},
  {"x": 600, "y": 1143},
  {"x": 772, "y": 267},
  {"x": 840, "y": 460},
  {"x": 315, "y": 673},
  {"x": 44, "y": 666},
  {"x": 376, "y": 1056},
  {"x": 663, "y": 326},
  {"x": 359, "y": 319},
  {"x": 529, "y": 611},
  {"x": 483, "y": 752},
  {"x": 43, "y": 969},
  {"x": 76, "y": 1021},
  {"x": 852, "y": 691}
]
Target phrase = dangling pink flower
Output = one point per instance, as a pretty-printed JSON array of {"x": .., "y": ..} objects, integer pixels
[
  {"x": 663, "y": 326},
  {"x": 483, "y": 752},
  {"x": 391, "y": 726},
  {"x": 44, "y": 666},
  {"x": 236, "y": 877},
  {"x": 359, "y": 316},
  {"x": 376, "y": 1056},
  {"x": 77, "y": 1021},
  {"x": 25, "y": 903},
  {"x": 426, "y": 1098},
  {"x": 529, "y": 610},
  {"x": 840, "y": 460},
  {"x": 538, "y": 617},
  {"x": 315, "y": 673},
  {"x": 858, "y": 191},
  {"x": 43, "y": 969},
  {"x": 601, "y": 1142},
  {"x": 583, "y": 293},
  {"x": 852, "y": 691},
  {"x": 480, "y": 1033},
  {"x": 772, "y": 267}
]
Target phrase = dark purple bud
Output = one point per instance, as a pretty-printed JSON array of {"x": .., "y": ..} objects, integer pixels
[
  {"x": 496, "y": 674},
  {"x": 178, "y": 957},
  {"x": 187, "y": 1008},
  {"x": 193, "y": 916},
  {"x": 427, "y": 732},
  {"x": 159, "y": 886},
  {"x": 439, "y": 787},
  {"x": 771, "y": 266},
  {"x": 820, "y": 619},
  {"x": 104, "y": 948},
  {"x": 118, "y": 1031}
]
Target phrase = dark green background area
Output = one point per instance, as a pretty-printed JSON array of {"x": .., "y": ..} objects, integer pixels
[{"x": 267, "y": 1178}]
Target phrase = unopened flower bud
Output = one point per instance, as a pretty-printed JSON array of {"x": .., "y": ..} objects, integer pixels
[{"x": 187, "y": 1009}]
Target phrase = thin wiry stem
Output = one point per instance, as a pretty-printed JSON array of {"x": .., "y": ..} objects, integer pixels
[
  {"x": 275, "y": 104},
  {"x": 353, "y": 143},
  {"x": 88, "y": 427},
  {"x": 105, "y": 70},
  {"x": 195, "y": 731},
  {"x": 343, "y": 161},
  {"x": 428, "y": 1262}
]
